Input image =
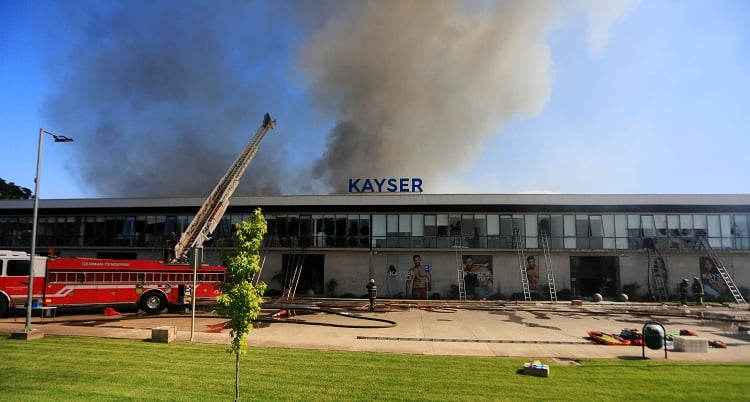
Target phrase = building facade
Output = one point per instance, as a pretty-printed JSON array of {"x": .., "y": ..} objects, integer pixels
[{"x": 418, "y": 245}]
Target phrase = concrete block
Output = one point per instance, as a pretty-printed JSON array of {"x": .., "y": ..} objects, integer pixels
[
  {"x": 690, "y": 344},
  {"x": 27, "y": 336},
  {"x": 163, "y": 334}
]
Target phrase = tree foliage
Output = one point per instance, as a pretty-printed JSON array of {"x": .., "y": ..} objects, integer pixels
[
  {"x": 11, "y": 191},
  {"x": 240, "y": 300}
]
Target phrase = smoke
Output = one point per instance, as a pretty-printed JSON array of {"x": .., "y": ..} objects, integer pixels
[
  {"x": 161, "y": 96},
  {"x": 417, "y": 85}
]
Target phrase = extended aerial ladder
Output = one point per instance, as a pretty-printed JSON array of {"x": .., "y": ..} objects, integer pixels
[
  {"x": 548, "y": 267},
  {"x": 720, "y": 267},
  {"x": 210, "y": 214},
  {"x": 522, "y": 264}
]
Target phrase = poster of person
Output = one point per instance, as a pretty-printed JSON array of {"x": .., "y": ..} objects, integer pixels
[
  {"x": 407, "y": 276},
  {"x": 713, "y": 283},
  {"x": 532, "y": 272},
  {"x": 478, "y": 276}
]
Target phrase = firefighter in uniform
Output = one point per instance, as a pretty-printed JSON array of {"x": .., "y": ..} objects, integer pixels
[
  {"x": 683, "y": 291},
  {"x": 372, "y": 291},
  {"x": 698, "y": 290}
]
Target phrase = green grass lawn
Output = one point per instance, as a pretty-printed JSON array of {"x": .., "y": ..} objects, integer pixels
[{"x": 70, "y": 368}]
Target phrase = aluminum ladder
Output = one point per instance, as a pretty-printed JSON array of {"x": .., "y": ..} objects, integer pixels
[
  {"x": 720, "y": 267},
  {"x": 522, "y": 264},
  {"x": 548, "y": 267},
  {"x": 658, "y": 271},
  {"x": 460, "y": 271},
  {"x": 293, "y": 273}
]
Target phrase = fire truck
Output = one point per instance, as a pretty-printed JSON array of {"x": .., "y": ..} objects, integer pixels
[
  {"x": 69, "y": 282},
  {"x": 150, "y": 284}
]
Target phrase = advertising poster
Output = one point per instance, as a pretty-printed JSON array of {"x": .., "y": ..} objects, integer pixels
[
  {"x": 478, "y": 276},
  {"x": 713, "y": 283},
  {"x": 532, "y": 272},
  {"x": 408, "y": 276}
]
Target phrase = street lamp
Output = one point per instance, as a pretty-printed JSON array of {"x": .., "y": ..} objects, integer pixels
[{"x": 29, "y": 299}]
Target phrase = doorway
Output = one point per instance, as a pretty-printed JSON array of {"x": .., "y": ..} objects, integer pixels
[
  {"x": 594, "y": 274},
  {"x": 312, "y": 275}
]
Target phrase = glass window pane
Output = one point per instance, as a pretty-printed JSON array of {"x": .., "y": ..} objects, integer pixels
[
  {"x": 493, "y": 225},
  {"x": 531, "y": 231},
  {"x": 569, "y": 222},
  {"x": 608, "y": 225}
]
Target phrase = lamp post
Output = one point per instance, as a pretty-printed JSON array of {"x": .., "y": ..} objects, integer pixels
[{"x": 29, "y": 299}]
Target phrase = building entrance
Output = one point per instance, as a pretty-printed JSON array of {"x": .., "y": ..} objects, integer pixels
[
  {"x": 312, "y": 275},
  {"x": 594, "y": 274}
]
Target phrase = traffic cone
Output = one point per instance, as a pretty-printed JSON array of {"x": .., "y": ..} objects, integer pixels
[
  {"x": 109, "y": 311},
  {"x": 280, "y": 313}
]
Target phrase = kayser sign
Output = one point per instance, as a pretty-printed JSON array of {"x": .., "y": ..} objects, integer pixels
[{"x": 386, "y": 185}]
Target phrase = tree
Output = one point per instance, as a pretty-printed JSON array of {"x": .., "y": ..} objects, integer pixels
[
  {"x": 240, "y": 300},
  {"x": 10, "y": 191}
]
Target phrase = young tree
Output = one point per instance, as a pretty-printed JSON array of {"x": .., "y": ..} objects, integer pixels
[{"x": 240, "y": 300}]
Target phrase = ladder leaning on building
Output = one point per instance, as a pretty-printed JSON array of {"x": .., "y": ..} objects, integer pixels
[
  {"x": 720, "y": 267},
  {"x": 522, "y": 263},
  {"x": 548, "y": 267}
]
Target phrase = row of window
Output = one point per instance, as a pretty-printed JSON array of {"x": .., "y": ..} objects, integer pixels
[{"x": 563, "y": 231}]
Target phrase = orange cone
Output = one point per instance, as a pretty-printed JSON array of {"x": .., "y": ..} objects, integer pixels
[
  {"x": 109, "y": 311},
  {"x": 280, "y": 313}
]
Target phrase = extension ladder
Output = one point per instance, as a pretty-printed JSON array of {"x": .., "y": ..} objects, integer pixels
[
  {"x": 548, "y": 267},
  {"x": 460, "y": 271},
  {"x": 522, "y": 264},
  {"x": 720, "y": 267}
]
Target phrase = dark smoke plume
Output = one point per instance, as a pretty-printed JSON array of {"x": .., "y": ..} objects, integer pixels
[
  {"x": 162, "y": 95},
  {"x": 417, "y": 85}
]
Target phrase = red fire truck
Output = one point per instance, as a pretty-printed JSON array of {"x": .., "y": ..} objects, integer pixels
[
  {"x": 68, "y": 282},
  {"x": 152, "y": 285}
]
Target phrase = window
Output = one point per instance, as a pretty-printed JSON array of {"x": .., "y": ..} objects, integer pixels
[{"x": 19, "y": 267}]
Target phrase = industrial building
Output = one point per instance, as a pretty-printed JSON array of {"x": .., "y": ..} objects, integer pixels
[{"x": 519, "y": 246}]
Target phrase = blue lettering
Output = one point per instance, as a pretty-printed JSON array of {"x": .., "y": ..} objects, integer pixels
[
  {"x": 380, "y": 184},
  {"x": 416, "y": 185},
  {"x": 367, "y": 187},
  {"x": 386, "y": 184},
  {"x": 404, "y": 185},
  {"x": 353, "y": 186},
  {"x": 392, "y": 186}
]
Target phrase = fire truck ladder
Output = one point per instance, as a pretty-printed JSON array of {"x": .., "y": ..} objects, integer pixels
[
  {"x": 460, "y": 270},
  {"x": 522, "y": 264},
  {"x": 293, "y": 272},
  {"x": 720, "y": 267},
  {"x": 658, "y": 270},
  {"x": 210, "y": 214},
  {"x": 548, "y": 267}
]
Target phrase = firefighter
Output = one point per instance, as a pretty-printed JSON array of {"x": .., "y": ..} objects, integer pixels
[
  {"x": 372, "y": 291},
  {"x": 698, "y": 290},
  {"x": 683, "y": 291}
]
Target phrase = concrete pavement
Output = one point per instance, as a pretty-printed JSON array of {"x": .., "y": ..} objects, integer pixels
[{"x": 528, "y": 329}]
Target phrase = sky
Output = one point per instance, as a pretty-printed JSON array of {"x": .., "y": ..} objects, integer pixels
[{"x": 495, "y": 97}]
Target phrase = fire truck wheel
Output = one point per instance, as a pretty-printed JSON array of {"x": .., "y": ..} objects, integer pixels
[
  {"x": 3, "y": 306},
  {"x": 153, "y": 302}
]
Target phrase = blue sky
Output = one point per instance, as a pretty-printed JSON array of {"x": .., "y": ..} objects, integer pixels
[{"x": 643, "y": 97}]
